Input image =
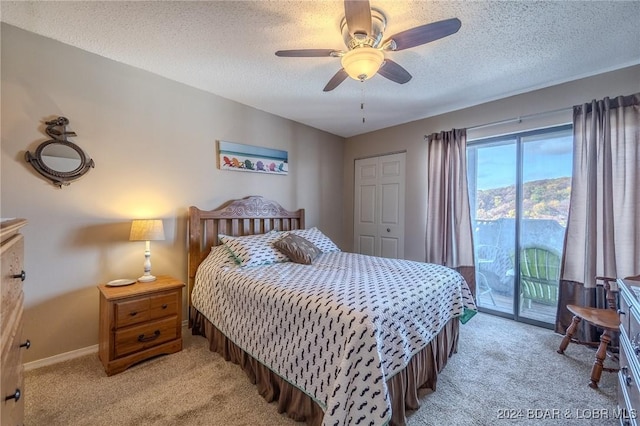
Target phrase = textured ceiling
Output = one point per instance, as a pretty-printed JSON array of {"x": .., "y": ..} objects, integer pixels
[{"x": 227, "y": 48}]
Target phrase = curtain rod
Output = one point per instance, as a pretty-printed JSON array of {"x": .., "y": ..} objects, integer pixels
[
  {"x": 519, "y": 118},
  {"x": 515, "y": 119}
]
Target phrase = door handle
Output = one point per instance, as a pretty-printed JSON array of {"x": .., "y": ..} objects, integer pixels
[{"x": 388, "y": 229}]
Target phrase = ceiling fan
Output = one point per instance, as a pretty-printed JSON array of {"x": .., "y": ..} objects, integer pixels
[{"x": 362, "y": 30}]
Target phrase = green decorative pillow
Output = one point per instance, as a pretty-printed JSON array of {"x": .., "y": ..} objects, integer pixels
[{"x": 298, "y": 249}]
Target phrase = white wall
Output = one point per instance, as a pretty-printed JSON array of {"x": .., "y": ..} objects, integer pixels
[
  {"x": 410, "y": 137},
  {"x": 153, "y": 143}
]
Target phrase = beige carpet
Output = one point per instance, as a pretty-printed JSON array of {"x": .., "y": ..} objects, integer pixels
[{"x": 501, "y": 367}]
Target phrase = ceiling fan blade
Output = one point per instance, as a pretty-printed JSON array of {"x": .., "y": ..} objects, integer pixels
[
  {"x": 305, "y": 53},
  {"x": 425, "y": 33},
  {"x": 335, "y": 81},
  {"x": 394, "y": 72},
  {"x": 358, "y": 16}
]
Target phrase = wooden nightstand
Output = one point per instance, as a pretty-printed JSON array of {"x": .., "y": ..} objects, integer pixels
[{"x": 139, "y": 321}]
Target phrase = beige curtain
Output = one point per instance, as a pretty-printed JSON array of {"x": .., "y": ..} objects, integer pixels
[
  {"x": 603, "y": 228},
  {"x": 449, "y": 238}
]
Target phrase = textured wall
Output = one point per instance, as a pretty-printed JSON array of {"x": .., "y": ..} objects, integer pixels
[{"x": 153, "y": 142}]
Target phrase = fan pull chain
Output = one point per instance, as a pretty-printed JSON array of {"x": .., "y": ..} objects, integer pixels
[{"x": 362, "y": 104}]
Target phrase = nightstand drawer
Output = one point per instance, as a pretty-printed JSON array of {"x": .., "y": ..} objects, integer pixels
[
  {"x": 164, "y": 305},
  {"x": 132, "y": 312},
  {"x": 146, "y": 308},
  {"x": 145, "y": 336}
]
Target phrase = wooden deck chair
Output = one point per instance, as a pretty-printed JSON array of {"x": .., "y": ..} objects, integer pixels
[{"x": 539, "y": 276}]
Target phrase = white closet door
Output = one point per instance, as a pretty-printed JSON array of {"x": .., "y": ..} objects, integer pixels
[{"x": 379, "y": 206}]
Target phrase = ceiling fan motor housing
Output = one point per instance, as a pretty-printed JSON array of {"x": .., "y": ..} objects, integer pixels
[{"x": 378, "y": 25}]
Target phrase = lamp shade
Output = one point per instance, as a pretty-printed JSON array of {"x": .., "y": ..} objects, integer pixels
[
  {"x": 362, "y": 63},
  {"x": 146, "y": 230}
]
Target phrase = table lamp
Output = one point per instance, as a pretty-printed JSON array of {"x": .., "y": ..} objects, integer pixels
[{"x": 146, "y": 230}]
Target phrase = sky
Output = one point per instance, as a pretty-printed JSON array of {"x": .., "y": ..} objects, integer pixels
[{"x": 542, "y": 159}]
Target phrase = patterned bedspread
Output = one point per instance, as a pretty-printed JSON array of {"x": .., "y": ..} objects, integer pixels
[{"x": 337, "y": 329}]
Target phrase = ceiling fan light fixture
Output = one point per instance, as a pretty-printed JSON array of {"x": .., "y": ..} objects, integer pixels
[
  {"x": 362, "y": 63},
  {"x": 362, "y": 29}
]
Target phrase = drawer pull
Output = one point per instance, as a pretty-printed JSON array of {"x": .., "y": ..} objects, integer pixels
[
  {"x": 16, "y": 395},
  {"x": 22, "y": 275},
  {"x": 26, "y": 344},
  {"x": 155, "y": 335},
  {"x": 164, "y": 306},
  {"x": 133, "y": 314}
]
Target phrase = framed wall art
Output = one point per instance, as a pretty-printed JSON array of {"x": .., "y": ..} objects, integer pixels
[{"x": 249, "y": 158}]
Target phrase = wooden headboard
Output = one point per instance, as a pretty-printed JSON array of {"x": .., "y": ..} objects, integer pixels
[{"x": 247, "y": 216}]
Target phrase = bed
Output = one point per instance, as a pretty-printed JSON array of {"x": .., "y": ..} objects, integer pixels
[{"x": 347, "y": 339}]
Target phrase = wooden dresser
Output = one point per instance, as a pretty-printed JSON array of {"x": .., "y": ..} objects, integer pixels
[
  {"x": 139, "y": 321},
  {"x": 629, "y": 374},
  {"x": 11, "y": 305}
]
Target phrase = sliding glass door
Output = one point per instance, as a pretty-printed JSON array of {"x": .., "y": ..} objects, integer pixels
[{"x": 519, "y": 188}]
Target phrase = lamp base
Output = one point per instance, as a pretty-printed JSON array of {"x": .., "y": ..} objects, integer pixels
[{"x": 146, "y": 278}]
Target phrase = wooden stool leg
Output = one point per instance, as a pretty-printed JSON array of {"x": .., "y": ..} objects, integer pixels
[
  {"x": 601, "y": 354},
  {"x": 569, "y": 334}
]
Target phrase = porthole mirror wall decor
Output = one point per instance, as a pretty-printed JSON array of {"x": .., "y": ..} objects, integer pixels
[{"x": 58, "y": 159}]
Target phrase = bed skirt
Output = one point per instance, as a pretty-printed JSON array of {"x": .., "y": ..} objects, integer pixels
[{"x": 421, "y": 373}]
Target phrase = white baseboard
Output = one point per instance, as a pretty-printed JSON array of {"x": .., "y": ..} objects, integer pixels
[
  {"x": 60, "y": 357},
  {"x": 69, "y": 355}
]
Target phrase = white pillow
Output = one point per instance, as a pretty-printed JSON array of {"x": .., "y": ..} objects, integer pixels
[
  {"x": 254, "y": 250},
  {"x": 221, "y": 256},
  {"x": 315, "y": 236}
]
